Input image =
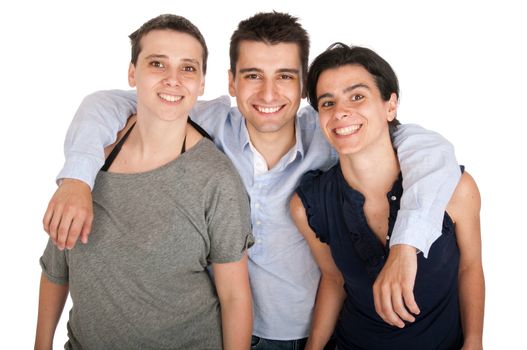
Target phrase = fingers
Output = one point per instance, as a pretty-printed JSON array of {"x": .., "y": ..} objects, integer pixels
[
  {"x": 86, "y": 229},
  {"x": 63, "y": 229},
  {"x": 399, "y": 307},
  {"x": 74, "y": 232},
  {"x": 69, "y": 214},
  {"x": 387, "y": 310},
  {"x": 54, "y": 223},
  {"x": 393, "y": 304},
  {"x": 64, "y": 226},
  {"x": 409, "y": 300},
  {"x": 46, "y": 221}
]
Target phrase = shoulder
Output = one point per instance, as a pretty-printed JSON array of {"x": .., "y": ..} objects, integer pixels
[
  {"x": 318, "y": 179},
  {"x": 307, "y": 118},
  {"x": 222, "y": 103},
  {"x": 314, "y": 187},
  {"x": 466, "y": 200},
  {"x": 211, "y": 114},
  {"x": 213, "y": 164},
  {"x": 209, "y": 154}
]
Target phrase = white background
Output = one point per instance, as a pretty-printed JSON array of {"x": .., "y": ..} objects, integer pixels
[{"x": 462, "y": 70}]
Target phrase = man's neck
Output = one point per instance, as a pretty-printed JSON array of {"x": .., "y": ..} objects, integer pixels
[{"x": 273, "y": 145}]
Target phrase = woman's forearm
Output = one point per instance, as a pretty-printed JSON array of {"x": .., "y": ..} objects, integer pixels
[
  {"x": 237, "y": 321},
  {"x": 472, "y": 301},
  {"x": 330, "y": 297},
  {"x": 234, "y": 293},
  {"x": 52, "y": 298}
]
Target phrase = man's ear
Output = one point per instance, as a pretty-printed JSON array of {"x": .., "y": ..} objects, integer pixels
[
  {"x": 131, "y": 75},
  {"x": 232, "y": 87}
]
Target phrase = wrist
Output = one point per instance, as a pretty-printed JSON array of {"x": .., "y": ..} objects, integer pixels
[
  {"x": 68, "y": 181},
  {"x": 403, "y": 248},
  {"x": 473, "y": 342}
]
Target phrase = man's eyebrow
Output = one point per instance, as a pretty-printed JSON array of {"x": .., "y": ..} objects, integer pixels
[
  {"x": 346, "y": 90},
  {"x": 155, "y": 56},
  {"x": 190, "y": 60},
  {"x": 252, "y": 69},
  {"x": 281, "y": 70},
  {"x": 289, "y": 70}
]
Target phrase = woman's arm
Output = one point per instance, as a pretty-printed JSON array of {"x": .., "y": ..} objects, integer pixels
[
  {"x": 464, "y": 209},
  {"x": 51, "y": 302},
  {"x": 330, "y": 294},
  {"x": 234, "y": 292}
]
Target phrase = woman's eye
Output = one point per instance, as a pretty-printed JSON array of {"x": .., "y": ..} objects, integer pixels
[
  {"x": 189, "y": 69},
  {"x": 357, "y": 97},
  {"x": 326, "y": 104}
]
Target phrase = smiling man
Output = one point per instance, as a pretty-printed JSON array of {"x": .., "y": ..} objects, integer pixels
[{"x": 272, "y": 144}]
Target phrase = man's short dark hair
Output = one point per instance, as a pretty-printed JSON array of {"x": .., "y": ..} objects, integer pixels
[
  {"x": 170, "y": 22},
  {"x": 271, "y": 28},
  {"x": 339, "y": 54}
]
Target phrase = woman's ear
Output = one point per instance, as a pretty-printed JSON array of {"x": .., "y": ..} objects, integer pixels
[{"x": 392, "y": 103}]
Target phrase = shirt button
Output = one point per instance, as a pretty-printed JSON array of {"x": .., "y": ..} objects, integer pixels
[
  {"x": 258, "y": 222},
  {"x": 393, "y": 198},
  {"x": 257, "y": 205},
  {"x": 387, "y": 237}
]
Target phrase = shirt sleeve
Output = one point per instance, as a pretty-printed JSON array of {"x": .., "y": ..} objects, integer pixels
[
  {"x": 95, "y": 125},
  {"x": 54, "y": 264},
  {"x": 228, "y": 217},
  {"x": 430, "y": 176}
]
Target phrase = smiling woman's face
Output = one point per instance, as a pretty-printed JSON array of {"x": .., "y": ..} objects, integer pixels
[{"x": 352, "y": 112}]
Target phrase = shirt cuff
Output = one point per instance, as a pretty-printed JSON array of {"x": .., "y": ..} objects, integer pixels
[
  {"x": 80, "y": 168},
  {"x": 416, "y": 232}
]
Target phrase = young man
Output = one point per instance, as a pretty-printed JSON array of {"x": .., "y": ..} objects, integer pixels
[
  {"x": 168, "y": 204},
  {"x": 272, "y": 145}
]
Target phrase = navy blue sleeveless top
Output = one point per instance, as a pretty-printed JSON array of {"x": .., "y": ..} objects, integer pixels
[{"x": 335, "y": 213}]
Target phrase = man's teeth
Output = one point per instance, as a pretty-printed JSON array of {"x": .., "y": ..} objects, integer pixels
[
  {"x": 268, "y": 109},
  {"x": 347, "y": 130},
  {"x": 170, "y": 98}
]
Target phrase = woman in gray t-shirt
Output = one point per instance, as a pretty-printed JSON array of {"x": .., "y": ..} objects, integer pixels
[{"x": 167, "y": 204}]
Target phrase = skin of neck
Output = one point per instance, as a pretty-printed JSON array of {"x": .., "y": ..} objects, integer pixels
[
  {"x": 155, "y": 137},
  {"x": 273, "y": 145},
  {"x": 372, "y": 170}
]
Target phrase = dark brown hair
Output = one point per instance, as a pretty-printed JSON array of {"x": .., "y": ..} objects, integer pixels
[
  {"x": 171, "y": 22},
  {"x": 271, "y": 28}
]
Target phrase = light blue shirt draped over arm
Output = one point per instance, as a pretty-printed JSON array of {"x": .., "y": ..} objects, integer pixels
[{"x": 427, "y": 160}]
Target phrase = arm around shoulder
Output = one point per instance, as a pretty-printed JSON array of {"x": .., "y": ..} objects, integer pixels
[
  {"x": 95, "y": 125},
  {"x": 430, "y": 175}
]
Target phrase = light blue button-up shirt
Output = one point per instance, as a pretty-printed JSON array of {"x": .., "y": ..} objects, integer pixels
[{"x": 283, "y": 274}]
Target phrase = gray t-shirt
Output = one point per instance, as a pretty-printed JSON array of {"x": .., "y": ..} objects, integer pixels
[{"x": 141, "y": 282}]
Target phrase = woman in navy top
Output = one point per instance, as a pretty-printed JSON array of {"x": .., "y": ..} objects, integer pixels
[{"x": 347, "y": 214}]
